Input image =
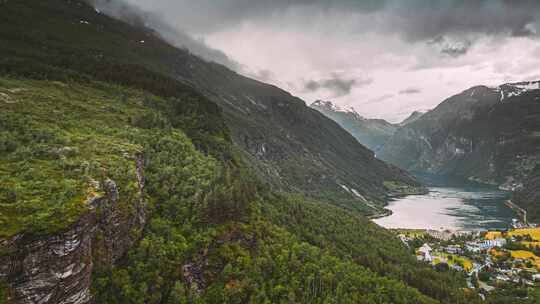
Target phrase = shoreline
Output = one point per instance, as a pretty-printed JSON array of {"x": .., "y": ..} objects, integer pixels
[
  {"x": 385, "y": 212},
  {"x": 395, "y": 195},
  {"x": 449, "y": 221},
  {"x": 517, "y": 209}
]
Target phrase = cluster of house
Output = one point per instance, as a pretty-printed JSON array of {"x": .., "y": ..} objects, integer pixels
[
  {"x": 479, "y": 255},
  {"x": 477, "y": 246},
  {"x": 446, "y": 255}
]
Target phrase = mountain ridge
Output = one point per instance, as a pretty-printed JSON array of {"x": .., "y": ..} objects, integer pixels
[
  {"x": 486, "y": 134},
  {"x": 288, "y": 150},
  {"x": 371, "y": 132}
]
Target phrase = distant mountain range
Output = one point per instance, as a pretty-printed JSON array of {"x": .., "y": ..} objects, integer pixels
[
  {"x": 372, "y": 133},
  {"x": 486, "y": 134},
  {"x": 412, "y": 118}
]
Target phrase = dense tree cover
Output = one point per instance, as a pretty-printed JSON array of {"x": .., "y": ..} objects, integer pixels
[
  {"x": 4, "y": 292},
  {"x": 208, "y": 242},
  {"x": 53, "y": 148},
  {"x": 47, "y": 48},
  {"x": 355, "y": 237},
  {"x": 208, "y": 239}
]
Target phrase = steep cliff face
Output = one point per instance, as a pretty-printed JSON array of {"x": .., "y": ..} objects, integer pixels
[
  {"x": 294, "y": 146},
  {"x": 486, "y": 134},
  {"x": 528, "y": 197},
  {"x": 58, "y": 268}
]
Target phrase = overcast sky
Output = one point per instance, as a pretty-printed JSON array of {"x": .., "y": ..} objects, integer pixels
[{"x": 384, "y": 58}]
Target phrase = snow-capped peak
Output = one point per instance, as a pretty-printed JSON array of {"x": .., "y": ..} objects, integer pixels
[
  {"x": 326, "y": 105},
  {"x": 353, "y": 112},
  {"x": 531, "y": 85},
  {"x": 515, "y": 89},
  {"x": 329, "y": 106}
]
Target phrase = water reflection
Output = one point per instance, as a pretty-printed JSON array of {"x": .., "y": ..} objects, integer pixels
[{"x": 450, "y": 204}]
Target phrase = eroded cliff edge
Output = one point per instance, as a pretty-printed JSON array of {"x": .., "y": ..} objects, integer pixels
[{"x": 58, "y": 268}]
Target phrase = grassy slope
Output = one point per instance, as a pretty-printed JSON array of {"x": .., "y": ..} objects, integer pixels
[
  {"x": 57, "y": 138},
  {"x": 316, "y": 156}
]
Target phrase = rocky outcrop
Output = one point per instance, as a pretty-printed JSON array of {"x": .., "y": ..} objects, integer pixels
[{"x": 58, "y": 268}]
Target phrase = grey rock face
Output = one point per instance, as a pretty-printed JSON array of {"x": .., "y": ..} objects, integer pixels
[
  {"x": 58, "y": 268},
  {"x": 486, "y": 134}
]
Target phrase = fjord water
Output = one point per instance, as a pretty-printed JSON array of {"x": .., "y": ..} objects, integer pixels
[{"x": 452, "y": 203}]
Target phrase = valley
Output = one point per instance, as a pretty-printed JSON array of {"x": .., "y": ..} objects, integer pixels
[
  {"x": 136, "y": 169},
  {"x": 484, "y": 134},
  {"x": 478, "y": 154}
]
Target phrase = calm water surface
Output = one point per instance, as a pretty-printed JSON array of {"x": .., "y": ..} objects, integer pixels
[{"x": 450, "y": 204}]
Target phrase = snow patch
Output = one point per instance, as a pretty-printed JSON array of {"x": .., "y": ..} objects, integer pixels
[
  {"x": 360, "y": 196},
  {"x": 328, "y": 105},
  {"x": 254, "y": 102},
  {"x": 346, "y": 188},
  {"x": 528, "y": 86},
  {"x": 516, "y": 89},
  {"x": 355, "y": 193}
]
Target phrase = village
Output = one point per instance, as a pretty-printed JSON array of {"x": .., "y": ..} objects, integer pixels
[{"x": 489, "y": 260}]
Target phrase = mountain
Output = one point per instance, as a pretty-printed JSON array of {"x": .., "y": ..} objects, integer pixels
[
  {"x": 122, "y": 182},
  {"x": 372, "y": 133},
  {"x": 528, "y": 196},
  {"x": 292, "y": 145},
  {"x": 415, "y": 115},
  {"x": 488, "y": 134}
]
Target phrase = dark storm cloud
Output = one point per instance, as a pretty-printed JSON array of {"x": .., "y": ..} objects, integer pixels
[
  {"x": 451, "y": 47},
  {"x": 340, "y": 86},
  {"x": 211, "y": 15},
  {"x": 429, "y": 19},
  {"x": 415, "y": 20},
  {"x": 410, "y": 91},
  {"x": 127, "y": 12}
]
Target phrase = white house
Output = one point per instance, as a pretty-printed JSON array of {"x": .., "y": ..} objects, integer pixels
[
  {"x": 486, "y": 244},
  {"x": 425, "y": 253}
]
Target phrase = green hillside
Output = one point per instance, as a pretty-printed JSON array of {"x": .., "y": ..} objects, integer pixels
[
  {"x": 60, "y": 136},
  {"x": 294, "y": 147},
  {"x": 76, "y": 114}
]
